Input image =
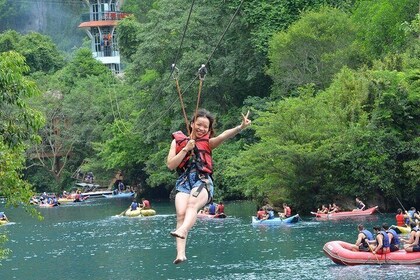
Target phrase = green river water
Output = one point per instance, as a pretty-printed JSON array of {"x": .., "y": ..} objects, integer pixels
[{"x": 89, "y": 241}]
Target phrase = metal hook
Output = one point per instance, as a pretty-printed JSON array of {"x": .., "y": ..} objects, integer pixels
[
  {"x": 202, "y": 72},
  {"x": 175, "y": 71}
]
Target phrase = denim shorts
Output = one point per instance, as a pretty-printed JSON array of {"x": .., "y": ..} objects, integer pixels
[{"x": 187, "y": 181}]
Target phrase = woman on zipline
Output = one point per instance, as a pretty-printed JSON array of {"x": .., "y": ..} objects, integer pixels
[{"x": 192, "y": 158}]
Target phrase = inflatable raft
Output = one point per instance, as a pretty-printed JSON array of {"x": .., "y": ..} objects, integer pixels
[
  {"x": 346, "y": 214},
  {"x": 208, "y": 216},
  {"x": 401, "y": 230},
  {"x": 276, "y": 221},
  {"x": 119, "y": 195},
  {"x": 140, "y": 212},
  {"x": 340, "y": 252}
]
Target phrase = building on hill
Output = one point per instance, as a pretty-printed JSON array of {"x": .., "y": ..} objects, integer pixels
[{"x": 101, "y": 29}]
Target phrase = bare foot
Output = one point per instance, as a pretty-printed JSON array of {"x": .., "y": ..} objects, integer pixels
[
  {"x": 180, "y": 260},
  {"x": 178, "y": 235}
]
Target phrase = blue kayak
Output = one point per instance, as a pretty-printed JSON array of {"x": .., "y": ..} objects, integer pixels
[{"x": 276, "y": 221}]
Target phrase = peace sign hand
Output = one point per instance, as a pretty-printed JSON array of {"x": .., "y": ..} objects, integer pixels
[{"x": 245, "y": 121}]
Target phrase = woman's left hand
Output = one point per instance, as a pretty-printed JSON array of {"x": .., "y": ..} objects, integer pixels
[{"x": 245, "y": 121}]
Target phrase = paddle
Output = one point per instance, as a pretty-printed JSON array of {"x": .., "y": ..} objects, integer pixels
[{"x": 123, "y": 212}]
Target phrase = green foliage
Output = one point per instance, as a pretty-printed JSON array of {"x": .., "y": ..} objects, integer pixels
[
  {"x": 266, "y": 18},
  {"x": 127, "y": 36},
  {"x": 312, "y": 50},
  {"x": 379, "y": 25},
  {"x": 40, "y": 53},
  {"x": 18, "y": 124},
  {"x": 3, "y": 252}
]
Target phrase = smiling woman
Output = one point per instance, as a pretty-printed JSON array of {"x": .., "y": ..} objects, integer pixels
[{"x": 192, "y": 158}]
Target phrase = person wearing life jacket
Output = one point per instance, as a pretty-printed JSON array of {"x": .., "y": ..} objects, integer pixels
[
  {"x": 262, "y": 214},
  {"x": 145, "y": 204},
  {"x": 360, "y": 206},
  {"x": 287, "y": 211},
  {"x": 382, "y": 241},
  {"x": 394, "y": 239},
  {"x": 400, "y": 218},
  {"x": 212, "y": 208},
  {"x": 220, "y": 209},
  {"x": 363, "y": 239},
  {"x": 415, "y": 245},
  {"x": 192, "y": 157},
  {"x": 409, "y": 215},
  {"x": 134, "y": 205}
]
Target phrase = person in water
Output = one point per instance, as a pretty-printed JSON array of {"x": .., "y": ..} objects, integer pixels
[
  {"x": 191, "y": 156},
  {"x": 363, "y": 238}
]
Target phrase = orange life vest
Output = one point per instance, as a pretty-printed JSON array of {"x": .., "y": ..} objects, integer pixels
[{"x": 204, "y": 162}]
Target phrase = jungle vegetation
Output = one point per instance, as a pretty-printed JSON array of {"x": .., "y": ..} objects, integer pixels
[{"x": 333, "y": 87}]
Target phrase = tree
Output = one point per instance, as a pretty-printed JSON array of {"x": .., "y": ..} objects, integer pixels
[
  {"x": 18, "y": 124},
  {"x": 379, "y": 25},
  {"x": 312, "y": 50}
]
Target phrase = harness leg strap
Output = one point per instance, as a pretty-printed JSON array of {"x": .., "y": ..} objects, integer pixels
[{"x": 198, "y": 191}]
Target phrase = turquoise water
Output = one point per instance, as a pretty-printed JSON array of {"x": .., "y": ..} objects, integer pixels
[{"x": 89, "y": 241}]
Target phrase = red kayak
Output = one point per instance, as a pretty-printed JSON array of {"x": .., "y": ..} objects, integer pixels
[
  {"x": 340, "y": 252},
  {"x": 346, "y": 214}
]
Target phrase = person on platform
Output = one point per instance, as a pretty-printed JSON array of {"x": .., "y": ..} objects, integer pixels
[
  {"x": 363, "y": 238},
  {"x": 192, "y": 156}
]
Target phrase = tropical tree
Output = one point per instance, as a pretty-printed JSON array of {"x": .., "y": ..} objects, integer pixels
[
  {"x": 18, "y": 124},
  {"x": 312, "y": 50}
]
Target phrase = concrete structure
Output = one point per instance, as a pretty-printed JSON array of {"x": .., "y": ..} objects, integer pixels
[{"x": 101, "y": 29}]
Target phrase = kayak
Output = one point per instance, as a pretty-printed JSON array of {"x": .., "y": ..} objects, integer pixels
[
  {"x": 208, "y": 216},
  {"x": 3, "y": 222},
  {"x": 119, "y": 195},
  {"x": 346, "y": 214},
  {"x": 276, "y": 221},
  {"x": 140, "y": 212},
  {"x": 340, "y": 253}
]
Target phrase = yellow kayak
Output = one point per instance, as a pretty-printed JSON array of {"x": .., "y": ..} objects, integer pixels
[
  {"x": 3, "y": 222},
  {"x": 140, "y": 212}
]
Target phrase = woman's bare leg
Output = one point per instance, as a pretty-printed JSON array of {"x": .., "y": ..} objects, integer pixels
[{"x": 187, "y": 207}]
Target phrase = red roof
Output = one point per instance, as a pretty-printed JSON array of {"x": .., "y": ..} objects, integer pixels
[{"x": 96, "y": 23}]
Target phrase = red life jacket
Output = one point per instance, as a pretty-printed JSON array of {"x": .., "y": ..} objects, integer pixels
[
  {"x": 288, "y": 211},
  {"x": 203, "y": 149}
]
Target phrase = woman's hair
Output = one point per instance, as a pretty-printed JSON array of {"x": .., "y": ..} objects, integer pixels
[{"x": 203, "y": 113}]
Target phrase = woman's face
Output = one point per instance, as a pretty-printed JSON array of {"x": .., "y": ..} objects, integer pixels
[{"x": 201, "y": 126}]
